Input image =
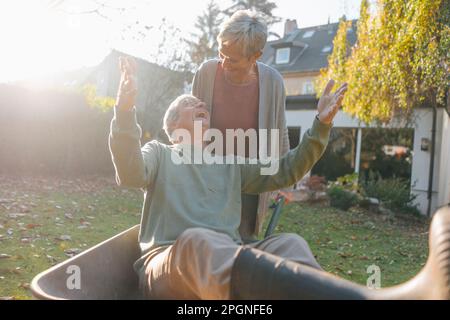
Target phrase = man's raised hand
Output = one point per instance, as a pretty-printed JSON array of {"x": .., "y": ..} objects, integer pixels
[
  {"x": 126, "y": 95},
  {"x": 329, "y": 103}
]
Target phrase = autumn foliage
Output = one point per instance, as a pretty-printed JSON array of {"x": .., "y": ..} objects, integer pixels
[{"x": 401, "y": 59}]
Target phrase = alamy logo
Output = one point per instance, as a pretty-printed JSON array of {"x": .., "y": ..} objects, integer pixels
[
  {"x": 213, "y": 152},
  {"x": 74, "y": 280},
  {"x": 374, "y": 281}
]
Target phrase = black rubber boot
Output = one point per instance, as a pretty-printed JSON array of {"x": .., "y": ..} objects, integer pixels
[{"x": 260, "y": 275}]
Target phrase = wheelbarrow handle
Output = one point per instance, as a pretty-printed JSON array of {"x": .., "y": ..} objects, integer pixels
[{"x": 275, "y": 216}]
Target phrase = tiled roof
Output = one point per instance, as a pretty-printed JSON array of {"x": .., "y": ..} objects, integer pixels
[{"x": 307, "y": 53}]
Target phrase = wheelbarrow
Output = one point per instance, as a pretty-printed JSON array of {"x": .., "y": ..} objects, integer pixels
[{"x": 105, "y": 271}]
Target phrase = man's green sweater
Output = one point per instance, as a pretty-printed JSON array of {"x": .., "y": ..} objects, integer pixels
[{"x": 182, "y": 196}]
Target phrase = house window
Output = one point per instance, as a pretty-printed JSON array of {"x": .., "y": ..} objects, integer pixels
[
  {"x": 308, "y": 88},
  {"x": 308, "y": 34},
  {"x": 326, "y": 49},
  {"x": 282, "y": 55}
]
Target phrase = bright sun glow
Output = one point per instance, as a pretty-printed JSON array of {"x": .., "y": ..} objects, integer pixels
[
  {"x": 37, "y": 40},
  {"x": 39, "y": 37}
]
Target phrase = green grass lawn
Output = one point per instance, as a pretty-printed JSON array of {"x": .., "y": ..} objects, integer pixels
[
  {"x": 346, "y": 243},
  {"x": 43, "y": 219}
]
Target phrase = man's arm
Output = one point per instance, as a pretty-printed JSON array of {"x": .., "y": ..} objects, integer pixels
[
  {"x": 291, "y": 167},
  {"x": 135, "y": 167},
  {"x": 299, "y": 161}
]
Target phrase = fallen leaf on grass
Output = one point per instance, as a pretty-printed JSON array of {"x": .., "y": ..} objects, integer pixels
[
  {"x": 52, "y": 259},
  {"x": 68, "y": 216},
  {"x": 73, "y": 251},
  {"x": 344, "y": 254},
  {"x": 403, "y": 253},
  {"x": 10, "y": 271},
  {"x": 24, "y": 209},
  {"x": 33, "y": 225},
  {"x": 16, "y": 215},
  {"x": 64, "y": 237},
  {"x": 24, "y": 285},
  {"x": 26, "y": 239}
]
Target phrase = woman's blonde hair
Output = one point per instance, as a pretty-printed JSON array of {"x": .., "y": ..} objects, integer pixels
[{"x": 247, "y": 29}]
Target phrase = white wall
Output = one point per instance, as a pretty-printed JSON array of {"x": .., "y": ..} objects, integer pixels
[
  {"x": 304, "y": 119},
  {"x": 444, "y": 183},
  {"x": 421, "y": 159}
]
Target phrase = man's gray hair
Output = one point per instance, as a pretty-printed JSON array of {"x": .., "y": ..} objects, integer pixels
[
  {"x": 246, "y": 28},
  {"x": 172, "y": 113}
]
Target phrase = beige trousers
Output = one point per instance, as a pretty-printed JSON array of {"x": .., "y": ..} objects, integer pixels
[{"x": 198, "y": 265}]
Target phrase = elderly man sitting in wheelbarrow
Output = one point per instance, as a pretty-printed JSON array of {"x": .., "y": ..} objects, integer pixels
[{"x": 189, "y": 237}]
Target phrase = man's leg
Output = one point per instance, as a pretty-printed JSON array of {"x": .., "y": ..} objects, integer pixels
[
  {"x": 289, "y": 246},
  {"x": 260, "y": 275},
  {"x": 197, "y": 266},
  {"x": 249, "y": 210}
]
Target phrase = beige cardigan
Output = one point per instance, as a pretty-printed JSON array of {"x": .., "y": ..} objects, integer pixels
[{"x": 272, "y": 104}]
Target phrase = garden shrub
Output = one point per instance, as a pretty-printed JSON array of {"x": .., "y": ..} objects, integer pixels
[
  {"x": 341, "y": 198},
  {"x": 394, "y": 193}
]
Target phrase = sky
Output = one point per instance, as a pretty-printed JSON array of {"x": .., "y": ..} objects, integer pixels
[{"x": 41, "y": 37}]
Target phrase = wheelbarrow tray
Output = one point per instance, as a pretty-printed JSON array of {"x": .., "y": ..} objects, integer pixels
[{"x": 105, "y": 272}]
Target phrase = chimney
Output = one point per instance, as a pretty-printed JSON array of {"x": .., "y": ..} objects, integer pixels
[{"x": 289, "y": 26}]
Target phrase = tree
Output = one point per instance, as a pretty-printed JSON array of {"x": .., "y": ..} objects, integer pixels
[
  {"x": 205, "y": 44},
  {"x": 100, "y": 8},
  {"x": 401, "y": 59},
  {"x": 172, "y": 51},
  {"x": 265, "y": 7}
]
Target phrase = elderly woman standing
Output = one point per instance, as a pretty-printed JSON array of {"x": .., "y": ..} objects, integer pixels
[{"x": 244, "y": 93}]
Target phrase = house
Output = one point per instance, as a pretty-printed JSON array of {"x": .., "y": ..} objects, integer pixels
[{"x": 301, "y": 53}]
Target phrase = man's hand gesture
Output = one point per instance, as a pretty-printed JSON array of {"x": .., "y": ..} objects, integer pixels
[
  {"x": 126, "y": 95},
  {"x": 329, "y": 103}
]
